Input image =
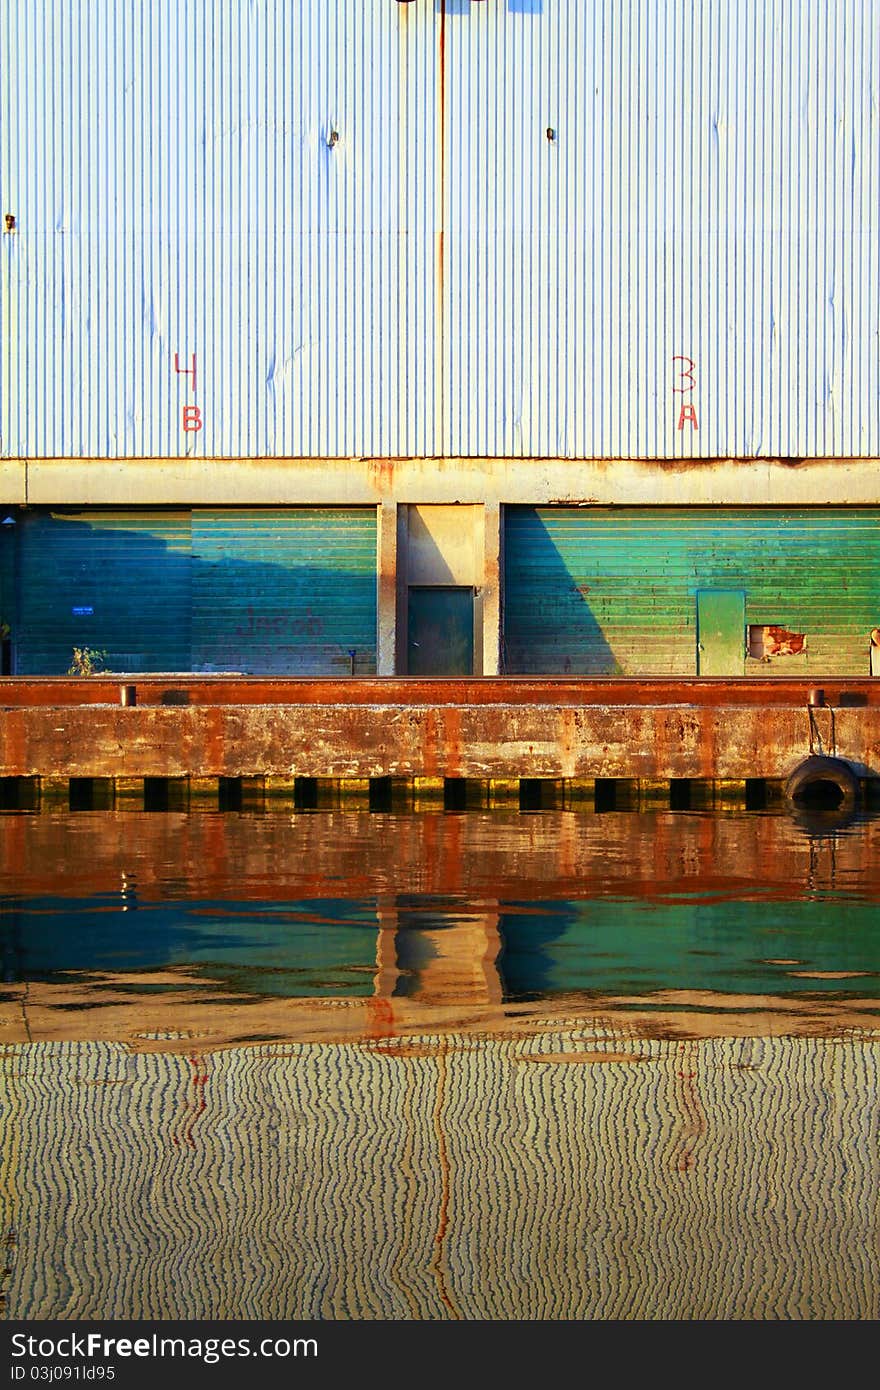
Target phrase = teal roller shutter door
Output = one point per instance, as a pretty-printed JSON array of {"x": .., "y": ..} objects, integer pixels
[
  {"x": 284, "y": 591},
  {"x": 8, "y": 603},
  {"x": 119, "y": 582},
  {"x": 601, "y": 591}
]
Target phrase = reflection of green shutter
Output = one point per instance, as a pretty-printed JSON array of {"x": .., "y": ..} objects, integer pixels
[
  {"x": 284, "y": 591},
  {"x": 113, "y": 581},
  {"x": 612, "y": 591}
]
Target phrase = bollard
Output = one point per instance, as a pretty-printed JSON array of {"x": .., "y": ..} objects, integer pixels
[
  {"x": 816, "y": 697},
  {"x": 128, "y": 694}
]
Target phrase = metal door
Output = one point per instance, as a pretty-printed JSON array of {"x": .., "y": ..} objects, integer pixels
[
  {"x": 721, "y": 626},
  {"x": 117, "y": 583},
  {"x": 440, "y": 631},
  {"x": 285, "y": 590}
]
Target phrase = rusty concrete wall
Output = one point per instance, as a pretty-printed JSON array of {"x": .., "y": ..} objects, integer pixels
[{"x": 542, "y": 741}]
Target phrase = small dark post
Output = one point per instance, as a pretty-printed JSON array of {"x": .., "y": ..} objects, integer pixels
[{"x": 128, "y": 694}]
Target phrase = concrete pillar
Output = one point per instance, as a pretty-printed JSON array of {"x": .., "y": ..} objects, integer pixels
[
  {"x": 386, "y": 560},
  {"x": 493, "y": 572}
]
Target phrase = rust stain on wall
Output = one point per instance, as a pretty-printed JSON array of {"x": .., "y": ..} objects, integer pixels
[
  {"x": 382, "y": 471},
  {"x": 451, "y": 740}
]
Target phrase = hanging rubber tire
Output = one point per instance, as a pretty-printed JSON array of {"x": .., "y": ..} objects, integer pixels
[{"x": 824, "y": 784}]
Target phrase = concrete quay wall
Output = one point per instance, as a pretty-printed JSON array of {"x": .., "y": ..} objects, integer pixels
[{"x": 543, "y": 739}]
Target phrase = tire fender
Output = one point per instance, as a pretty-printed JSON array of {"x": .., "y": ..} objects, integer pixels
[{"x": 820, "y": 773}]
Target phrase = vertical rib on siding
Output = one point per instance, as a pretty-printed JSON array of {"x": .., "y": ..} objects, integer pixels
[
  {"x": 443, "y": 278},
  {"x": 613, "y": 591}
]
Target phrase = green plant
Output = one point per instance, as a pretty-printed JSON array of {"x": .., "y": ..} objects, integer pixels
[{"x": 87, "y": 661}]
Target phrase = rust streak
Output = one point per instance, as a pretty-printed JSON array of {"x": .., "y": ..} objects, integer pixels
[
  {"x": 693, "y": 1118},
  {"x": 450, "y": 740},
  {"x": 438, "y": 1262},
  {"x": 382, "y": 475}
]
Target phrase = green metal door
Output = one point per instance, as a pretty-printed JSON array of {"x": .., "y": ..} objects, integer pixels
[
  {"x": 721, "y": 627},
  {"x": 440, "y": 632}
]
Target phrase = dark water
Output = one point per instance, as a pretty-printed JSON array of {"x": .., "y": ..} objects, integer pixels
[{"x": 354, "y": 1065}]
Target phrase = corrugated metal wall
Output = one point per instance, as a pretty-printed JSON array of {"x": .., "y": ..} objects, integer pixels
[
  {"x": 116, "y": 582},
  {"x": 288, "y": 591},
  {"x": 176, "y": 191},
  {"x": 262, "y": 591},
  {"x": 613, "y": 592},
  {"x": 702, "y": 231}
]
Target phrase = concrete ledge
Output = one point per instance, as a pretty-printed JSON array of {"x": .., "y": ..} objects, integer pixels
[{"x": 180, "y": 689}]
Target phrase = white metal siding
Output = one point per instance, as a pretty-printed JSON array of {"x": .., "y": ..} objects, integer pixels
[{"x": 444, "y": 279}]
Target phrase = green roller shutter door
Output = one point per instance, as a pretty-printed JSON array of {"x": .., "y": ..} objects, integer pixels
[
  {"x": 613, "y": 591},
  {"x": 285, "y": 591},
  {"x": 118, "y": 582}
]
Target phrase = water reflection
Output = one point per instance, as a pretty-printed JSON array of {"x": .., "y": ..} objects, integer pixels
[
  {"x": 479, "y": 1066},
  {"x": 259, "y": 927}
]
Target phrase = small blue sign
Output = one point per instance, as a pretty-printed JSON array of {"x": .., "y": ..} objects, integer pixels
[{"x": 85, "y": 612}]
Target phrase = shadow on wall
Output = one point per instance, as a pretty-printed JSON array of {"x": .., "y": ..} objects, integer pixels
[
  {"x": 134, "y": 591},
  {"x": 549, "y": 624}
]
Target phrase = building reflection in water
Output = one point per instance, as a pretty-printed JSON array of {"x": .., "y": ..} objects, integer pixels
[{"x": 554, "y": 1067}]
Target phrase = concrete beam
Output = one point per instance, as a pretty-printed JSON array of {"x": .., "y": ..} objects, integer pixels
[
  {"x": 13, "y": 482},
  {"x": 365, "y": 481}
]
